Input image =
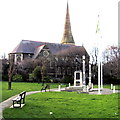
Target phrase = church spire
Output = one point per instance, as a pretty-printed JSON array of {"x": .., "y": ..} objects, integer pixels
[{"x": 67, "y": 35}]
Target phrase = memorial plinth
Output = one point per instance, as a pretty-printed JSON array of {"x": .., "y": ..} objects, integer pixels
[
  {"x": 78, "y": 82},
  {"x": 78, "y": 79}
]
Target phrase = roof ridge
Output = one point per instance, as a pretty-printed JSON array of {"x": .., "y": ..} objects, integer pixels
[{"x": 51, "y": 43}]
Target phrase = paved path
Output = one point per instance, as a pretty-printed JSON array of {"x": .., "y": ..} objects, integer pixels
[
  {"x": 104, "y": 91},
  {"x": 8, "y": 102}
]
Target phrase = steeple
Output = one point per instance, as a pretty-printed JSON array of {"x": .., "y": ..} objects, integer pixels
[{"x": 67, "y": 35}]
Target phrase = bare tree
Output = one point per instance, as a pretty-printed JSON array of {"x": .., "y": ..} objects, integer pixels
[
  {"x": 11, "y": 71},
  {"x": 111, "y": 62},
  {"x": 94, "y": 55},
  {"x": 94, "y": 67}
]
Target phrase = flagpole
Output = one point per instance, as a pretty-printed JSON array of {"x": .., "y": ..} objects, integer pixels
[{"x": 99, "y": 73}]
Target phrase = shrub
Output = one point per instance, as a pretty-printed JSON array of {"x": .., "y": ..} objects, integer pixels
[
  {"x": 56, "y": 80},
  {"x": 37, "y": 73},
  {"x": 47, "y": 79},
  {"x": 17, "y": 78},
  {"x": 67, "y": 79},
  {"x": 4, "y": 77},
  {"x": 31, "y": 77}
]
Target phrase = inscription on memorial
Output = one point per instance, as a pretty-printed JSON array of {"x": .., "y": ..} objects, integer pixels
[{"x": 77, "y": 76}]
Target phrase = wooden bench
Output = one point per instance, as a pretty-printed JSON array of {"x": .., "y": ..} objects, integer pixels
[
  {"x": 46, "y": 87},
  {"x": 20, "y": 99}
]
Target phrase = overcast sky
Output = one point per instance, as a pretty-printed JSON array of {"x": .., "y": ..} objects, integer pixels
[{"x": 43, "y": 20}]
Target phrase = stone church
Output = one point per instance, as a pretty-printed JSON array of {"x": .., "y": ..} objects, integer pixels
[{"x": 66, "y": 51}]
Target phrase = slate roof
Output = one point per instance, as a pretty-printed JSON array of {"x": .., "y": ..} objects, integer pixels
[
  {"x": 32, "y": 47},
  {"x": 38, "y": 50}
]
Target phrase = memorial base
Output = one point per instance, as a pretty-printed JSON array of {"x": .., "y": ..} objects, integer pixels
[{"x": 74, "y": 88}]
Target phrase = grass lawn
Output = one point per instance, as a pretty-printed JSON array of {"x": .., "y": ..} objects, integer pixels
[
  {"x": 18, "y": 87},
  {"x": 117, "y": 87},
  {"x": 66, "y": 105}
]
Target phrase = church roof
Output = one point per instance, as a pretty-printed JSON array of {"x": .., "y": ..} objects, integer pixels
[
  {"x": 38, "y": 50},
  {"x": 33, "y": 47}
]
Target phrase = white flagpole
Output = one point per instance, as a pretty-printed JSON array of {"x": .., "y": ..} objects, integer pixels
[
  {"x": 99, "y": 57},
  {"x": 101, "y": 73},
  {"x": 101, "y": 66}
]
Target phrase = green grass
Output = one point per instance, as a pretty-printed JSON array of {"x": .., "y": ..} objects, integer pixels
[
  {"x": 66, "y": 105},
  {"x": 117, "y": 87},
  {"x": 62, "y": 104},
  {"x": 18, "y": 87}
]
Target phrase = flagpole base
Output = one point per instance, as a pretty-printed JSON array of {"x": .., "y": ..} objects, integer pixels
[
  {"x": 99, "y": 93},
  {"x": 101, "y": 87}
]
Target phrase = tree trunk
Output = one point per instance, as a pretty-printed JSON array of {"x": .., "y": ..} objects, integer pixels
[
  {"x": 9, "y": 84},
  {"x": 11, "y": 71}
]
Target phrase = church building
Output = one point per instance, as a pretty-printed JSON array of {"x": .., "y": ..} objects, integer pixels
[{"x": 67, "y": 49}]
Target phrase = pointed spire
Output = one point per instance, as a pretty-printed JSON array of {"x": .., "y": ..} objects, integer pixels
[{"x": 67, "y": 35}]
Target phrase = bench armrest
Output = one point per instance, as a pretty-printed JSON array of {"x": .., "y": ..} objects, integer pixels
[{"x": 16, "y": 99}]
